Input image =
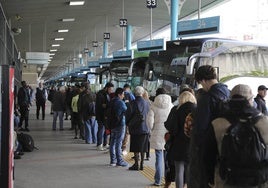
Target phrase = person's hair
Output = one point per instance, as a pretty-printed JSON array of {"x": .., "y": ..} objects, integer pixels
[
  {"x": 119, "y": 91},
  {"x": 187, "y": 89},
  {"x": 160, "y": 91},
  {"x": 108, "y": 85},
  {"x": 139, "y": 90},
  {"x": 62, "y": 89},
  {"x": 127, "y": 86},
  {"x": 205, "y": 72},
  {"x": 23, "y": 82},
  {"x": 85, "y": 85},
  {"x": 186, "y": 96},
  {"x": 145, "y": 95}
]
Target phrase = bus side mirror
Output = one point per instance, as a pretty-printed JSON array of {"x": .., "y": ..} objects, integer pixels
[{"x": 190, "y": 66}]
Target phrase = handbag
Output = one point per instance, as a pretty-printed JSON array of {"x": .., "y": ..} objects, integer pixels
[{"x": 136, "y": 120}]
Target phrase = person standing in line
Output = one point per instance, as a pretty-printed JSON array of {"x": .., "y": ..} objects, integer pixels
[
  {"x": 89, "y": 117},
  {"x": 128, "y": 97},
  {"x": 40, "y": 99},
  {"x": 69, "y": 96},
  {"x": 24, "y": 106},
  {"x": 84, "y": 87},
  {"x": 241, "y": 108},
  {"x": 147, "y": 98},
  {"x": 102, "y": 104},
  {"x": 139, "y": 134},
  {"x": 118, "y": 131},
  {"x": 178, "y": 152},
  {"x": 201, "y": 166},
  {"x": 59, "y": 107},
  {"x": 75, "y": 115},
  {"x": 259, "y": 99},
  {"x": 156, "y": 118},
  {"x": 50, "y": 97}
]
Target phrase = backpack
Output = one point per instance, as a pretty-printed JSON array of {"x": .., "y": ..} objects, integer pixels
[
  {"x": 188, "y": 125},
  {"x": 243, "y": 154},
  {"x": 26, "y": 142}
]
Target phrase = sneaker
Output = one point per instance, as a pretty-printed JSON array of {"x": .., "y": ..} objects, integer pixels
[
  {"x": 107, "y": 146},
  {"x": 124, "y": 152},
  {"x": 100, "y": 148},
  {"x": 123, "y": 164},
  {"x": 157, "y": 184},
  {"x": 27, "y": 130},
  {"x": 112, "y": 164}
]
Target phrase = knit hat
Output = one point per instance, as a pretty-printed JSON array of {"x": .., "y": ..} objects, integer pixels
[{"x": 242, "y": 90}]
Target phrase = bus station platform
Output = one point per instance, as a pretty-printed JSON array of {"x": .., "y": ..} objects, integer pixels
[{"x": 60, "y": 161}]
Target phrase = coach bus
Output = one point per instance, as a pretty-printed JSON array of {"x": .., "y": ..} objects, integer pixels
[{"x": 177, "y": 64}]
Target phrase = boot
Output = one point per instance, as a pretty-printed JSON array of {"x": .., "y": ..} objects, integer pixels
[
  {"x": 142, "y": 159},
  {"x": 141, "y": 166},
  {"x": 134, "y": 167},
  {"x": 136, "y": 164}
]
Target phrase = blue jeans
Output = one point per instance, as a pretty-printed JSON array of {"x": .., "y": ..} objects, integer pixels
[
  {"x": 55, "y": 116},
  {"x": 117, "y": 136},
  {"x": 101, "y": 136},
  {"x": 159, "y": 166},
  {"x": 91, "y": 128}
]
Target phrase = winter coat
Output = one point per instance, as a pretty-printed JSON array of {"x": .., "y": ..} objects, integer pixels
[
  {"x": 201, "y": 169},
  {"x": 220, "y": 126},
  {"x": 143, "y": 106},
  {"x": 180, "y": 143},
  {"x": 156, "y": 117},
  {"x": 102, "y": 97},
  {"x": 59, "y": 101},
  {"x": 120, "y": 108},
  {"x": 261, "y": 105}
]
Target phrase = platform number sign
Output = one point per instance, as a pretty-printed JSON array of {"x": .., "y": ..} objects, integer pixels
[
  {"x": 106, "y": 35},
  {"x": 94, "y": 43},
  {"x": 123, "y": 22},
  {"x": 151, "y": 3}
]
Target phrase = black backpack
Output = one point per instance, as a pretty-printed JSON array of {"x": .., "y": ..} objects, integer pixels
[
  {"x": 243, "y": 154},
  {"x": 26, "y": 142}
]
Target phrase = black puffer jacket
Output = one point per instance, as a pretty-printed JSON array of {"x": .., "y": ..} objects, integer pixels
[{"x": 179, "y": 150}]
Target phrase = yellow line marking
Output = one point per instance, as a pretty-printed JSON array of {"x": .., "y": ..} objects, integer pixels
[{"x": 147, "y": 172}]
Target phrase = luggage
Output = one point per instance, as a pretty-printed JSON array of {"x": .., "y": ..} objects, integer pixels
[{"x": 26, "y": 142}]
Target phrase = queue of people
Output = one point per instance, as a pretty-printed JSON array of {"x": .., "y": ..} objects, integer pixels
[{"x": 187, "y": 138}]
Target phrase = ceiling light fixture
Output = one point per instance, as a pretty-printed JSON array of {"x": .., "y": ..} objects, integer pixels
[
  {"x": 53, "y": 50},
  {"x": 59, "y": 38},
  {"x": 74, "y": 3},
  {"x": 55, "y": 45},
  {"x": 63, "y": 30},
  {"x": 68, "y": 19}
]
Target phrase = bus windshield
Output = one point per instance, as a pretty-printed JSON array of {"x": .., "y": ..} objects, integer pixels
[
  {"x": 167, "y": 68},
  {"x": 128, "y": 71}
]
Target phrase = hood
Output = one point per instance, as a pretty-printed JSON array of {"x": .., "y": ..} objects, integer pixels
[
  {"x": 220, "y": 90},
  {"x": 162, "y": 101}
]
